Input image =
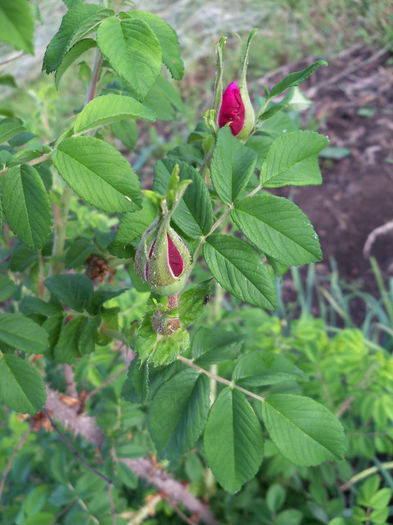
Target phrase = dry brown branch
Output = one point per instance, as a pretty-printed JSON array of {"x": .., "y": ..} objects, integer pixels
[
  {"x": 87, "y": 427},
  {"x": 11, "y": 460},
  {"x": 373, "y": 235}
]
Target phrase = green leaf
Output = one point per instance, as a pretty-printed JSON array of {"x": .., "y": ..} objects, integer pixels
[
  {"x": 9, "y": 128},
  {"x": 136, "y": 386},
  {"x": 183, "y": 403},
  {"x": 73, "y": 54},
  {"x": 381, "y": 499},
  {"x": 262, "y": 367},
  {"x": 293, "y": 517},
  {"x": 295, "y": 78},
  {"x": 304, "y": 431},
  {"x": 33, "y": 305},
  {"x": 133, "y": 51},
  {"x": 73, "y": 289},
  {"x": 279, "y": 228},
  {"x": 87, "y": 335},
  {"x": 168, "y": 40},
  {"x": 238, "y": 267},
  {"x": 133, "y": 224},
  {"x": 97, "y": 172},
  {"x": 215, "y": 345},
  {"x": 164, "y": 100},
  {"x": 26, "y": 205},
  {"x": 7, "y": 80},
  {"x": 367, "y": 490},
  {"x": 77, "y": 23},
  {"x": 7, "y": 288},
  {"x": 233, "y": 440},
  {"x": 293, "y": 159},
  {"x": 22, "y": 333},
  {"x": 231, "y": 166},
  {"x": 192, "y": 302},
  {"x": 78, "y": 251},
  {"x": 127, "y": 132},
  {"x": 194, "y": 214},
  {"x": 126, "y": 475},
  {"x": 107, "y": 109},
  {"x": 66, "y": 349},
  {"x": 275, "y": 497},
  {"x": 21, "y": 387},
  {"x": 17, "y": 25}
]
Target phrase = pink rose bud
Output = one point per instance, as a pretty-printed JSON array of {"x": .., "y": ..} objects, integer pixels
[
  {"x": 232, "y": 109},
  {"x": 162, "y": 259}
]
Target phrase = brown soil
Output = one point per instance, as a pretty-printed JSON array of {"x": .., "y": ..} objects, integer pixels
[{"x": 357, "y": 193}]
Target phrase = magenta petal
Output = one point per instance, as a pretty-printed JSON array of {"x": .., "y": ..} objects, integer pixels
[
  {"x": 232, "y": 109},
  {"x": 175, "y": 259}
]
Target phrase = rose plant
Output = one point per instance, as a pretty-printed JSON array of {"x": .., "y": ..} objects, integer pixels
[{"x": 207, "y": 228}]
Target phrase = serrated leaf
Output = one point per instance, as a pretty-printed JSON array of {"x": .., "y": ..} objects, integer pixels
[
  {"x": 168, "y": 40},
  {"x": 33, "y": 305},
  {"x": 233, "y": 440},
  {"x": 194, "y": 214},
  {"x": 133, "y": 224},
  {"x": 304, "y": 431},
  {"x": 238, "y": 267},
  {"x": 133, "y": 51},
  {"x": 97, "y": 172},
  {"x": 73, "y": 54},
  {"x": 192, "y": 301},
  {"x": 26, "y": 205},
  {"x": 73, "y": 289},
  {"x": 67, "y": 349},
  {"x": 7, "y": 288},
  {"x": 136, "y": 386},
  {"x": 22, "y": 333},
  {"x": 279, "y": 228},
  {"x": 231, "y": 166},
  {"x": 292, "y": 159},
  {"x": 78, "y": 22},
  {"x": 215, "y": 345},
  {"x": 17, "y": 25},
  {"x": 9, "y": 128},
  {"x": 261, "y": 367},
  {"x": 87, "y": 335},
  {"x": 107, "y": 109},
  {"x": 127, "y": 132},
  {"x": 295, "y": 78},
  {"x": 21, "y": 387},
  {"x": 163, "y": 100},
  {"x": 183, "y": 404}
]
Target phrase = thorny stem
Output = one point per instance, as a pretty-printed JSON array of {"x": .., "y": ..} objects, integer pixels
[{"x": 219, "y": 379}]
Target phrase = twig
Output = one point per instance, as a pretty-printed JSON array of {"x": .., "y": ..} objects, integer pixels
[
  {"x": 219, "y": 379},
  {"x": 11, "y": 59},
  {"x": 70, "y": 381},
  {"x": 181, "y": 514},
  {"x": 311, "y": 92},
  {"x": 111, "y": 502},
  {"x": 12, "y": 457},
  {"x": 144, "y": 512},
  {"x": 63, "y": 511},
  {"x": 143, "y": 467},
  {"x": 365, "y": 474},
  {"x": 106, "y": 382},
  {"x": 91, "y": 93},
  {"x": 372, "y": 236},
  {"x": 75, "y": 452},
  {"x": 32, "y": 162}
]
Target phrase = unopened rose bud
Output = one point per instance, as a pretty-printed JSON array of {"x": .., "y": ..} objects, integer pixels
[
  {"x": 162, "y": 258},
  {"x": 232, "y": 109}
]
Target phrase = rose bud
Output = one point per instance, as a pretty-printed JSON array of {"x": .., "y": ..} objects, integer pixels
[
  {"x": 162, "y": 258},
  {"x": 232, "y": 109}
]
